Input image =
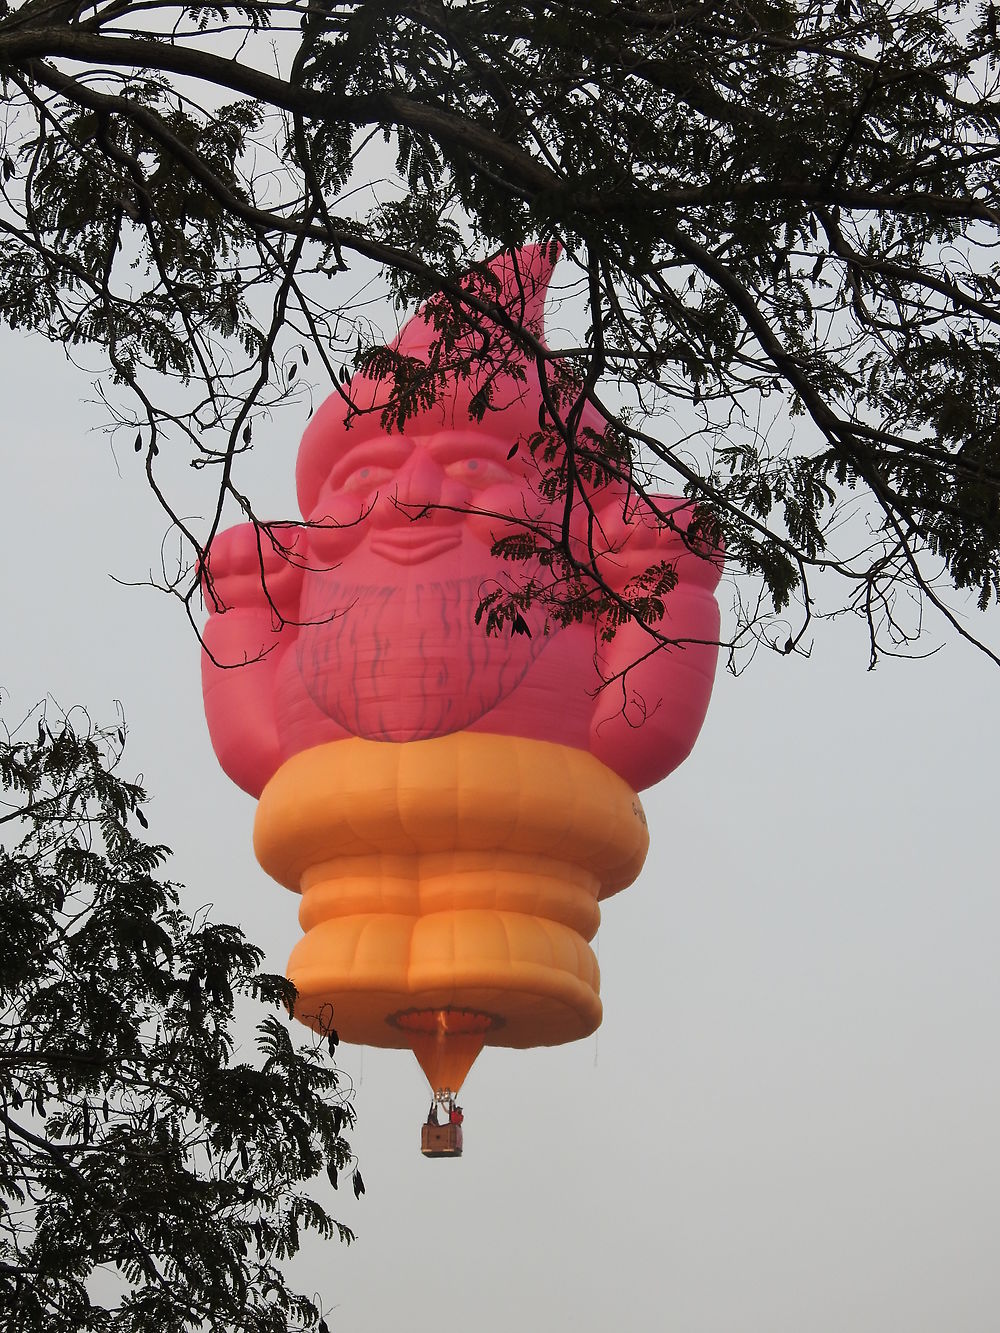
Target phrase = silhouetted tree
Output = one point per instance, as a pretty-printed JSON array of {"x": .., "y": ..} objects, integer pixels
[
  {"x": 152, "y": 1173},
  {"x": 779, "y": 217}
]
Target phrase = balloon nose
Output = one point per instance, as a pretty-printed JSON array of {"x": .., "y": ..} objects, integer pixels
[{"x": 418, "y": 481}]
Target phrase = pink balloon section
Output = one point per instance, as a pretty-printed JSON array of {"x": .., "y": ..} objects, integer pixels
[{"x": 375, "y": 636}]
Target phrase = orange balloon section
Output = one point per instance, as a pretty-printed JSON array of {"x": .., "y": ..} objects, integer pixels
[{"x": 450, "y": 889}]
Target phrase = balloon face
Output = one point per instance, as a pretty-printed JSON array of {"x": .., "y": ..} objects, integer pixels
[
  {"x": 451, "y": 804},
  {"x": 417, "y": 516},
  {"x": 410, "y": 497}
]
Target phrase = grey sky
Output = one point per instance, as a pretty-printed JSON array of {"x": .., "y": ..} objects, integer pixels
[{"x": 789, "y": 1119}]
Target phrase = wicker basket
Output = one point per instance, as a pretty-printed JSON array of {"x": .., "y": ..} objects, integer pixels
[{"x": 441, "y": 1140}]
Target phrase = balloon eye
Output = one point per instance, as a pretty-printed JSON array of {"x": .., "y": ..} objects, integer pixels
[
  {"x": 476, "y": 471},
  {"x": 360, "y": 479}
]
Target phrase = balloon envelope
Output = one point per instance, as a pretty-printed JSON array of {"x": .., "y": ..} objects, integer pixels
[{"x": 452, "y": 805}]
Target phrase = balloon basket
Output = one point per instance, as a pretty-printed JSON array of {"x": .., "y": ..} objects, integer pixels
[{"x": 441, "y": 1140}]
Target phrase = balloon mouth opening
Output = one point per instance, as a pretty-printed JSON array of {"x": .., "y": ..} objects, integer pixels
[
  {"x": 447, "y": 1022},
  {"x": 446, "y": 1042}
]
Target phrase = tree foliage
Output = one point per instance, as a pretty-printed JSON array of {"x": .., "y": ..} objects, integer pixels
[
  {"x": 151, "y": 1173},
  {"x": 779, "y": 218}
]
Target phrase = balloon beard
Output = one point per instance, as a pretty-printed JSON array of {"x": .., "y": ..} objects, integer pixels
[{"x": 463, "y": 673}]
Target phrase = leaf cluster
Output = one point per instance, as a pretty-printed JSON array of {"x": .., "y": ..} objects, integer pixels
[
  {"x": 152, "y": 1174},
  {"x": 781, "y": 217}
]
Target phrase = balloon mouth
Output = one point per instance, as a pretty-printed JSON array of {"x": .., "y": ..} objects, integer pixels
[
  {"x": 409, "y": 546},
  {"x": 446, "y": 1042},
  {"x": 445, "y": 1022}
]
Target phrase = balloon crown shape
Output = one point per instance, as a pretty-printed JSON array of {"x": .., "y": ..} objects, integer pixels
[{"x": 451, "y": 804}]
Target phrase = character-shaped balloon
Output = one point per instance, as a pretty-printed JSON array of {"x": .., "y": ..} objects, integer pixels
[{"x": 451, "y": 804}]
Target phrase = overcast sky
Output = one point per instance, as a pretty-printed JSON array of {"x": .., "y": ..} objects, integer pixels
[{"x": 788, "y": 1122}]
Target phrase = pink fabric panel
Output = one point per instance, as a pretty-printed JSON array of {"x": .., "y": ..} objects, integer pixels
[{"x": 363, "y": 625}]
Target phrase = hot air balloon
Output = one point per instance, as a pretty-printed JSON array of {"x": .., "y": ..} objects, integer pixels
[{"x": 452, "y": 806}]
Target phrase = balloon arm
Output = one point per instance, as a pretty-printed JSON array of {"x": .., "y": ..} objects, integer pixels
[
  {"x": 654, "y": 697},
  {"x": 256, "y": 566},
  {"x": 242, "y": 654},
  {"x": 629, "y": 541}
]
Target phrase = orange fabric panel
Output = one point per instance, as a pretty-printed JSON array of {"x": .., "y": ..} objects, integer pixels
[
  {"x": 461, "y": 873},
  {"x": 460, "y": 792}
]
